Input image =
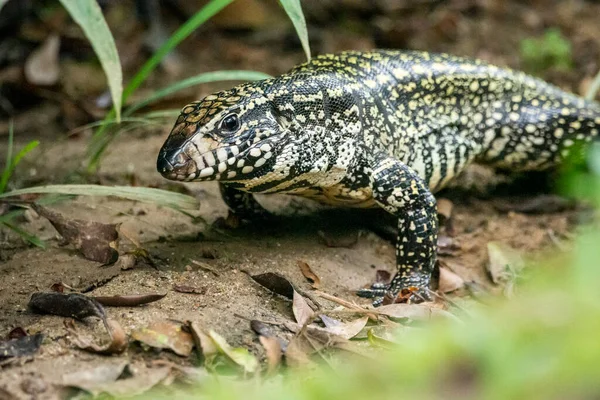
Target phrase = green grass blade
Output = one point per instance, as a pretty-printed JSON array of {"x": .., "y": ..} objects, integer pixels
[
  {"x": 28, "y": 147},
  {"x": 25, "y": 235},
  {"x": 203, "y": 15},
  {"x": 88, "y": 15},
  {"x": 6, "y": 172},
  {"x": 293, "y": 8},
  {"x": 236, "y": 75},
  {"x": 174, "y": 200},
  {"x": 180, "y": 34}
]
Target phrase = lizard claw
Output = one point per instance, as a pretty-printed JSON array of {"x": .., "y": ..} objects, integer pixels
[{"x": 382, "y": 293}]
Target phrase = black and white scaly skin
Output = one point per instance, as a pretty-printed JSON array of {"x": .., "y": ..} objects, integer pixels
[{"x": 375, "y": 129}]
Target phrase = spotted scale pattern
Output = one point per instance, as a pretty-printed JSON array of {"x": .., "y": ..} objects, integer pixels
[{"x": 376, "y": 129}]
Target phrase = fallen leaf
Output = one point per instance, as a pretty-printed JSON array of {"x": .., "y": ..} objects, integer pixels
[
  {"x": 329, "y": 322},
  {"x": 95, "y": 376},
  {"x": 189, "y": 289},
  {"x": 297, "y": 352},
  {"x": 417, "y": 312},
  {"x": 24, "y": 346},
  {"x": 272, "y": 351},
  {"x": 275, "y": 283},
  {"x": 73, "y": 305},
  {"x": 238, "y": 355},
  {"x": 504, "y": 262},
  {"x": 42, "y": 67},
  {"x": 379, "y": 341},
  {"x": 302, "y": 311},
  {"x": 131, "y": 300},
  {"x": 165, "y": 335},
  {"x": 116, "y": 344},
  {"x": 309, "y": 274},
  {"x": 95, "y": 241},
  {"x": 203, "y": 341},
  {"x": 449, "y": 281},
  {"x": 349, "y": 329},
  {"x": 205, "y": 266},
  {"x": 99, "y": 380}
]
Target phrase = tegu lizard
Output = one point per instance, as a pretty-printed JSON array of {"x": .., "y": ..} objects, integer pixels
[{"x": 375, "y": 129}]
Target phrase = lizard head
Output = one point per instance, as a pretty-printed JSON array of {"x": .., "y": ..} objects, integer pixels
[{"x": 227, "y": 136}]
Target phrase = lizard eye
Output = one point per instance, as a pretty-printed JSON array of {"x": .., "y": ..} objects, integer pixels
[{"x": 230, "y": 123}]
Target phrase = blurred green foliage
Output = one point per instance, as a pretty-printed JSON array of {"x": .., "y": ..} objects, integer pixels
[
  {"x": 541, "y": 344},
  {"x": 552, "y": 50}
]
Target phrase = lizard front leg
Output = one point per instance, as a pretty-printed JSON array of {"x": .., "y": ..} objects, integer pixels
[
  {"x": 400, "y": 191},
  {"x": 242, "y": 204}
]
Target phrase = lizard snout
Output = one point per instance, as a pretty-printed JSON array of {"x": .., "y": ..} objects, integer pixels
[{"x": 174, "y": 164}]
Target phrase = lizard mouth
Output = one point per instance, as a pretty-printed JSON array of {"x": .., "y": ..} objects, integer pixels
[{"x": 186, "y": 163}]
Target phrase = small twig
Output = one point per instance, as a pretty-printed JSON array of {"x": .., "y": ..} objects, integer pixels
[
  {"x": 354, "y": 307},
  {"x": 204, "y": 266}
]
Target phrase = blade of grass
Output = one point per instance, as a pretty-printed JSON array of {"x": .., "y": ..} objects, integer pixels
[
  {"x": 11, "y": 163},
  {"x": 88, "y": 15},
  {"x": 236, "y": 75},
  {"x": 166, "y": 198},
  {"x": 293, "y": 8},
  {"x": 7, "y": 167},
  {"x": 180, "y": 34},
  {"x": 25, "y": 235}
]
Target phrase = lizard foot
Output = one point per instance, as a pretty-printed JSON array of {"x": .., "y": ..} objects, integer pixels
[{"x": 400, "y": 290}]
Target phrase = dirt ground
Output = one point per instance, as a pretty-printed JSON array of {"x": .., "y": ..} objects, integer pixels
[{"x": 230, "y": 298}]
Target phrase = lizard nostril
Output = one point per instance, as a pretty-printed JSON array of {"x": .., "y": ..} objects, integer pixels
[{"x": 167, "y": 163}]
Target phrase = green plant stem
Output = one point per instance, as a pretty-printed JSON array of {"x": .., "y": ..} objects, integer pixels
[{"x": 179, "y": 35}]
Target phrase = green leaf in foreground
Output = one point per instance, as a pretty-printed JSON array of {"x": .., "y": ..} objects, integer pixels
[
  {"x": 165, "y": 198},
  {"x": 293, "y": 8},
  {"x": 88, "y": 15},
  {"x": 236, "y": 75}
]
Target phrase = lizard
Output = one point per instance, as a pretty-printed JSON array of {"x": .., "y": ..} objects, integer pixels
[{"x": 382, "y": 128}]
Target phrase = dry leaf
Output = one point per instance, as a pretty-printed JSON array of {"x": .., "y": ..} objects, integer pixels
[
  {"x": 203, "y": 341},
  {"x": 449, "y": 281},
  {"x": 272, "y": 352},
  {"x": 504, "y": 262},
  {"x": 41, "y": 67},
  {"x": 349, "y": 329},
  {"x": 95, "y": 241},
  {"x": 309, "y": 274},
  {"x": 302, "y": 311},
  {"x": 165, "y": 335},
  {"x": 418, "y": 312},
  {"x": 117, "y": 344},
  {"x": 276, "y": 284},
  {"x": 238, "y": 355},
  {"x": 131, "y": 300}
]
